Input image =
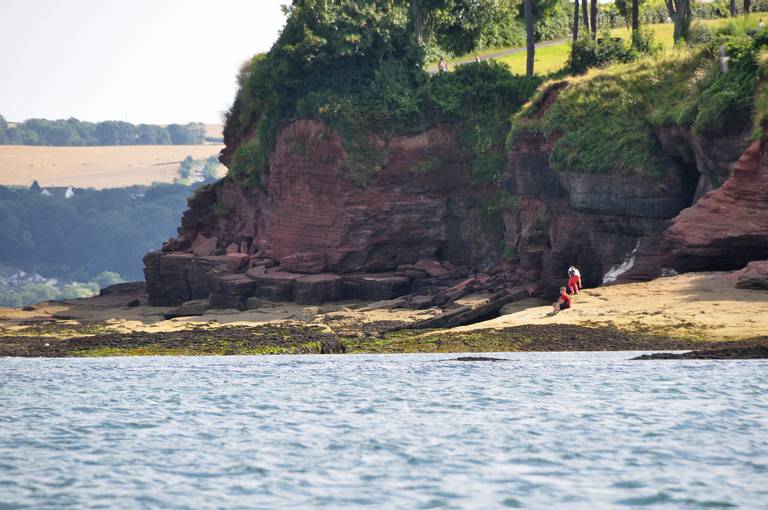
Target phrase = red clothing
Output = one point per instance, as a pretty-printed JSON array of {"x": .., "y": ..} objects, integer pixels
[
  {"x": 566, "y": 300},
  {"x": 574, "y": 284}
]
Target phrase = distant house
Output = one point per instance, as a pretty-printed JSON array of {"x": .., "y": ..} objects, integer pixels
[{"x": 53, "y": 191}]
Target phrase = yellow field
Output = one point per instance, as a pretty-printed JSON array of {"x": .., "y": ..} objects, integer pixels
[
  {"x": 214, "y": 130},
  {"x": 96, "y": 167}
]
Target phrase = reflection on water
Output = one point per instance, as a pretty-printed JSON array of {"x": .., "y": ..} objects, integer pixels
[{"x": 543, "y": 430}]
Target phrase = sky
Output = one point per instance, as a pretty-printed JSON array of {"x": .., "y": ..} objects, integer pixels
[{"x": 141, "y": 61}]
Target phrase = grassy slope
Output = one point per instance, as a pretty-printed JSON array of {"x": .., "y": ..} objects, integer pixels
[
  {"x": 553, "y": 58},
  {"x": 615, "y": 111}
]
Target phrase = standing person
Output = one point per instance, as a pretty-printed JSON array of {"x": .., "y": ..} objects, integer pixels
[
  {"x": 574, "y": 280},
  {"x": 563, "y": 302},
  {"x": 443, "y": 66}
]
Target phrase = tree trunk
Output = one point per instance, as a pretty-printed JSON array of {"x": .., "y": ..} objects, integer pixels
[
  {"x": 593, "y": 18},
  {"x": 680, "y": 12},
  {"x": 418, "y": 22},
  {"x": 585, "y": 14},
  {"x": 685, "y": 19},
  {"x": 733, "y": 7},
  {"x": 576, "y": 19},
  {"x": 636, "y": 15},
  {"x": 747, "y": 7},
  {"x": 529, "y": 42}
]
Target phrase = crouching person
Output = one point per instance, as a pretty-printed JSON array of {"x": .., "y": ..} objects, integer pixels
[{"x": 563, "y": 303}]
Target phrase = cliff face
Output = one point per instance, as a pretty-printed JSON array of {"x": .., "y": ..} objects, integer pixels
[
  {"x": 590, "y": 220},
  {"x": 724, "y": 230},
  {"x": 311, "y": 217},
  {"x": 313, "y": 232}
]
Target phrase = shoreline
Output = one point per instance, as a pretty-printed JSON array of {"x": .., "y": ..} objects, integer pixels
[
  {"x": 702, "y": 313},
  {"x": 302, "y": 339}
]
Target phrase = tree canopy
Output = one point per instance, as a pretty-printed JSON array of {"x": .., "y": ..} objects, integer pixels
[{"x": 73, "y": 132}]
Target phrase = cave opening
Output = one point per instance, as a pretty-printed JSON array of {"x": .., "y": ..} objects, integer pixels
[{"x": 690, "y": 177}]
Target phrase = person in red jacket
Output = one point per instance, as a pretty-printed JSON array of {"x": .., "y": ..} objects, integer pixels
[
  {"x": 563, "y": 303},
  {"x": 574, "y": 280}
]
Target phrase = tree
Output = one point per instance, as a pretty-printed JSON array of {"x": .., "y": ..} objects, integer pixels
[
  {"x": 680, "y": 12},
  {"x": 585, "y": 14},
  {"x": 152, "y": 135},
  {"x": 732, "y": 7},
  {"x": 636, "y": 16},
  {"x": 593, "y": 18},
  {"x": 575, "y": 19},
  {"x": 747, "y": 7},
  {"x": 178, "y": 134},
  {"x": 529, "y": 37}
]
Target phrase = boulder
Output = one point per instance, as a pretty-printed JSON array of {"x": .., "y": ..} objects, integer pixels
[
  {"x": 304, "y": 262},
  {"x": 432, "y": 267},
  {"x": 754, "y": 276},
  {"x": 203, "y": 245},
  {"x": 275, "y": 285},
  {"x": 468, "y": 314},
  {"x": 374, "y": 287},
  {"x": 237, "y": 261},
  {"x": 317, "y": 288},
  {"x": 233, "y": 291},
  {"x": 188, "y": 309},
  {"x": 255, "y": 303},
  {"x": 421, "y": 302},
  {"x": 124, "y": 289},
  {"x": 260, "y": 261}
]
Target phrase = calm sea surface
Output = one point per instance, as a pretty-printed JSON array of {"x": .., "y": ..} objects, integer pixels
[{"x": 543, "y": 430}]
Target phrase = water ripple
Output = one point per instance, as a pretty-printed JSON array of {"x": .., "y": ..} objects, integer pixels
[{"x": 544, "y": 430}]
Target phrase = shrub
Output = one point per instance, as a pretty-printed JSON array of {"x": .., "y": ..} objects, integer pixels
[
  {"x": 586, "y": 53},
  {"x": 699, "y": 34},
  {"x": 247, "y": 159},
  {"x": 644, "y": 41}
]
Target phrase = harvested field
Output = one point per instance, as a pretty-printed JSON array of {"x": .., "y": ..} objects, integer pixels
[{"x": 96, "y": 167}]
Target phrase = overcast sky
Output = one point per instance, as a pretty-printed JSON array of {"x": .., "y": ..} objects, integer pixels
[{"x": 153, "y": 61}]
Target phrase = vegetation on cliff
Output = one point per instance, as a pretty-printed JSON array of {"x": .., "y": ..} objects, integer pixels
[
  {"x": 358, "y": 66},
  {"x": 606, "y": 121}
]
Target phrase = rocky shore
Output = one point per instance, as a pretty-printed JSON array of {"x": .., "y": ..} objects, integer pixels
[{"x": 662, "y": 315}]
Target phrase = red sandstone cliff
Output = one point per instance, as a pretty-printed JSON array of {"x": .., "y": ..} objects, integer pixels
[
  {"x": 725, "y": 229},
  {"x": 310, "y": 217},
  {"x": 421, "y": 225}
]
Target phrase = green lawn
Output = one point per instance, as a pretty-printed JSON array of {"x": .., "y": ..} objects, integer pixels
[{"x": 553, "y": 58}]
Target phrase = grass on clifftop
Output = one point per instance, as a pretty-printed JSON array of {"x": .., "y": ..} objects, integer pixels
[
  {"x": 550, "y": 59},
  {"x": 605, "y": 121}
]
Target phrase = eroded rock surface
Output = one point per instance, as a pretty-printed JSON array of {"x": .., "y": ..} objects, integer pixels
[
  {"x": 321, "y": 227},
  {"x": 724, "y": 230}
]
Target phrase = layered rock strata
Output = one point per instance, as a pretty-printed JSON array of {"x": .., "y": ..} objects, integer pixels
[
  {"x": 724, "y": 230},
  {"x": 313, "y": 232},
  {"x": 323, "y": 226}
]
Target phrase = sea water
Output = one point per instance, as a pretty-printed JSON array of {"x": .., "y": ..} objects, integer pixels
[{"x": 541, "y": 430}]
